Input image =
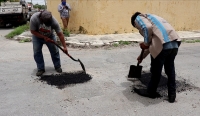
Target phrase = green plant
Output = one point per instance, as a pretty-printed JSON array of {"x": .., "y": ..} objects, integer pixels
[
  {"x": 197, "y": 40},
  {"x": 116, "y": 32},
  {"x": 66, "y": 33},
  {"x": 183, "y": 40},
  {"x": 124, "y": 42},
  {"x": 115, "y": 45},
  {"x": 17, "y": 31},
  {"x": 190, "y": 41},
  {"x": 82, "y": 30},
  {"x": 24, "y": 40}
]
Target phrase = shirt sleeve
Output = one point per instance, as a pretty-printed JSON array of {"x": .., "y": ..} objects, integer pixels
[
  {"x": 60, "y": 8},
  {"x": 68, "y": 6},
  {"x": 56, "y": 26},
  {"x": 33, "y": 24},
  {"x": 145, "y": 29}
]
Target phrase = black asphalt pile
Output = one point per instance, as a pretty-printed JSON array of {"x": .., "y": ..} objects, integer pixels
[
  {"x": 64, "y": 79},
  {"x": 181, "y": 84}
]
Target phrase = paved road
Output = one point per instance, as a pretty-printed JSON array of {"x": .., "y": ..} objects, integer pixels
[{"x": 107, "y": 94}]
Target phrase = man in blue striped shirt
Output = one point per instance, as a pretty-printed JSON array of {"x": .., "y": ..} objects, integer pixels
[{"x": 162, "y": 42}]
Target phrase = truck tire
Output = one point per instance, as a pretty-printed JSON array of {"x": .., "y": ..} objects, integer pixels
[
  {"x": 24, "y": 19},
  {"x": 2, "y": 23}
]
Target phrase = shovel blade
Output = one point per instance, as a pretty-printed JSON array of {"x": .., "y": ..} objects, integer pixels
[{"x": 135, "y": 72}]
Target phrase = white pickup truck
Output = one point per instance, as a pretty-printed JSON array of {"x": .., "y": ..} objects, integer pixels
[{"x": 14, "y": 13}]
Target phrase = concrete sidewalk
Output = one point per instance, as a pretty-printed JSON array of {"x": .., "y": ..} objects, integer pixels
[{"x": 109, "y": 39}]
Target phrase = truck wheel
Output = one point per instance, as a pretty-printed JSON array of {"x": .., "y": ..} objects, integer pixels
[
  {"x": 15, "y": 25},
  {"x": 24, "y": 19},
  {"x": 3, "y": 25}
]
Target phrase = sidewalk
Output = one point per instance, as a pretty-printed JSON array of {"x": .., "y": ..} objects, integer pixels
[{"x": 108, "y": 39}]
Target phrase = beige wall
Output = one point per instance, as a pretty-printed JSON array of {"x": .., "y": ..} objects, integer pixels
[{"x": 113, "y": 16}]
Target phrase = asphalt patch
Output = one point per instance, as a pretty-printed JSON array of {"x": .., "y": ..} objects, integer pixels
[
  {"x": 181, "y": 84},
  {"x": 64, "y": 79}
]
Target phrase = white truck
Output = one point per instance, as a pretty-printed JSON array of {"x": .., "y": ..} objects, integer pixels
[{"x": 14, "y": 13}]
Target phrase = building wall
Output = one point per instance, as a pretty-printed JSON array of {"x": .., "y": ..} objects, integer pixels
[{"x": 113, "y": 16}]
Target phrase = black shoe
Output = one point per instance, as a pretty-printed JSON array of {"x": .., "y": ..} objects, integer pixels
[
  {"x": 172, "y": 98},
  {"x": 143, "y": 92},
  {"x": 40, "y": 72},
  {"x": 59, "y": 70}
]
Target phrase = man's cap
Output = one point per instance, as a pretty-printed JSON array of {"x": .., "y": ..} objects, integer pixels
[{"x": 46, "y": 15}]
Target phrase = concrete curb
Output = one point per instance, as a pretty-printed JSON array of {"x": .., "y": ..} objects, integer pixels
[{"x": 81, "y": 40}]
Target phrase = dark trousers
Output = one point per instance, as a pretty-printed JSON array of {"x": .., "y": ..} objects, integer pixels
[{"x": 166, "y": 58}]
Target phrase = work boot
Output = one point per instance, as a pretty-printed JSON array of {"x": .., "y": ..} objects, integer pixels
[
  {"x": 59, "y": 70},
  {"x": 172, "y": 98},
  {"x": 40, "y": 72},
  {"x": 144, "y": 93}
]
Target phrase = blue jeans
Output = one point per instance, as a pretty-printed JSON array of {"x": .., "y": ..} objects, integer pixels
[
  {"x": 166, "y": 58},
  {"x": 38, "y": 56}
]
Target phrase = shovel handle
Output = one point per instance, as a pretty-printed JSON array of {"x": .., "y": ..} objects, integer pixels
[
  {"x": 141, "y": 55},
  {"x": 82, "y": 65},
  {"x": 63, "y": 51}
]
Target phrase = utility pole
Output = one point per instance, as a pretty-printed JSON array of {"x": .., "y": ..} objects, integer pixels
[
  {"x": 45, "y": 4},
  {"x": 31, "y": 4}
]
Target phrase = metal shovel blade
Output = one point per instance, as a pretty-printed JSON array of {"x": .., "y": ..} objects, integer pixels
[
  {"x": 135, "y": 72},
  {"x": 82, "y": 65}
]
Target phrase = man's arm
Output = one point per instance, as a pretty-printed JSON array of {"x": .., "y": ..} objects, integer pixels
[
  {"x": 69, "y": 8},
  {"x": 62, "y": 39},
  {"x": 33, "y": 28},
  {"x": 146, "y": 52},
  {"x": 37, "y": 34},
  {"x": 60, "y": 8},
  {"x": 59, "y": 33},
  {"x": 145, "y": 29}
]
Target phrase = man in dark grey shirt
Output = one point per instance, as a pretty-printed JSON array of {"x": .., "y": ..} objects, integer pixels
[{"x": 42, "y": 26}]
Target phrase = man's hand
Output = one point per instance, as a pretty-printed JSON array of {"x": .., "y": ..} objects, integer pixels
[
  {"x": 143, "y": 46},
  {"x": 139, "y": 60},
  {"x": 66, "y": 7},
  {"x": 65, "y": 51},
  {"x": 48, "y": 40}
]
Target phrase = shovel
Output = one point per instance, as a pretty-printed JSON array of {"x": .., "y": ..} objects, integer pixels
[
  {"x": 135, "y": 71},
  {"x": 83, "y": 67}
]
